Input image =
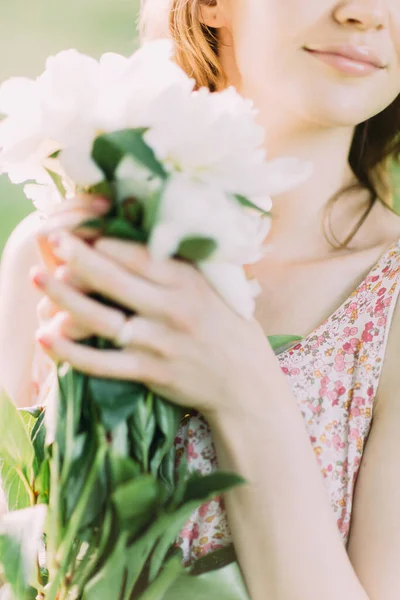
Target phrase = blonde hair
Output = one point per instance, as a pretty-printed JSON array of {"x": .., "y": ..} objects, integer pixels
[
  {"x": 195, "y": 44},
  {"x": 376, "y": 143}
]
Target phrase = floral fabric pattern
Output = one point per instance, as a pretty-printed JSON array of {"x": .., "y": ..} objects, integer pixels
[{"x": 334, "y": 373}]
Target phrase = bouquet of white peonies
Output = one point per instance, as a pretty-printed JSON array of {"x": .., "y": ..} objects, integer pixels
[{"x": 95, "y": 502}]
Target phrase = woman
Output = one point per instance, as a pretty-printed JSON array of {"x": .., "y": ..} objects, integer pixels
[{"x": 320, "y": 516}]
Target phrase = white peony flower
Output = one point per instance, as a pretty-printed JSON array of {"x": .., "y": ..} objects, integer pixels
[
  {"x": 231, "y": 283},
  {"x": 46, "y": 195},
  {"x": 133, "y": 179},
  {"x": 214, "y": 137},
  {"x": 74, "y": 100},
  {"x": 116, "y": 95},
  {"x": 189, "y": 209},
  {"x": 145, "y": 75},
  {"x": 22, "y": 144}
]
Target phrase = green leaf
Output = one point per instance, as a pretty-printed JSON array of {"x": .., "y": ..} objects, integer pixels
[
  {"x": 202, "y": 487},
  {"x": 108, "y": 582},
  {"x": 28, "y": 420},
  {"x": 139, "y": 552},
  {"x": 16, "y": 454},
  {"x": 107, "y": 156},
  {"x": 151, "y": 208},
  {"x": 122, "y": 229},
  {"x": 34, "y": 411},
  {"x": 182, "y": 475},
  {"x": 217, "y": 559},
  {"x": 142, "y": 427},
  {"x": 110, "y": 148},
  {"x": 168, "y": 417},
  {"x": 166, "y": 472},
  {"x": 81, "y": 471},
  {"x": 57, "y": 180},
  {"x": 122, "y": 469},
  {"x": 225, "y": 584},
  {"x": 116, "y": 399},
  {"x": 172, "y": 569},
  {"x": 16, "y": 447},
  {"x": 20, "y": 536},
  {"x": 248, "y": 204},
  {"x": 196, "y": 249},
  {"x": 104, "y": 189},
  {"x": 199, "y": 489},
  {"x": 38, "y": 437},
  {"x": 280, "y": 343},
  {"x": 136, "y": 497},
  {"x": 15, "y": 489},
  {"x": 42, "y": 483}
]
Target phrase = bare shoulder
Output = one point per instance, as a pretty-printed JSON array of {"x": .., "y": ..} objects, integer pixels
[
  {"x": 386, "y": 224},
  {"x": 22, "y": 242},
  {"x": 18, "y": 309}
]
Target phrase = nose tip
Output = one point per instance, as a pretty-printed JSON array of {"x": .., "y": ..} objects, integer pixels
[{"x": 362, "y": 14}]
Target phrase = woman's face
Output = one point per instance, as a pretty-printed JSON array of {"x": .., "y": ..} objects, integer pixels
[{"x": 270, "y": 37}]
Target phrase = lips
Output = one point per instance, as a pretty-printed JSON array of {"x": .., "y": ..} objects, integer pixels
[{"x": 360, "y": 54}]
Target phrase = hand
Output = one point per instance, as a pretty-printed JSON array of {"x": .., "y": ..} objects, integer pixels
[
  {"x": 185, "y": 343},
  {"x": 70, "y": 214}
]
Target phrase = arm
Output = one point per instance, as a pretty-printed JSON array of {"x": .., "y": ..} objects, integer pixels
[
  {"x": 18, "y": 320},
  {"x": 285, "y": 533}
]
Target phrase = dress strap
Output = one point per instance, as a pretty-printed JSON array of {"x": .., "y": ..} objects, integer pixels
[{"x": 382, "y": 289}]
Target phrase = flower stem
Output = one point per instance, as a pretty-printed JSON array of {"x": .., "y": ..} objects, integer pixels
[
  {"x": 64, "y": 552},
  {"x": 28, "y": 488}
]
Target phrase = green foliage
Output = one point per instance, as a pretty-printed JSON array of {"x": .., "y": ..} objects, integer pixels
[
  {"x": 16, "y": 455},
  {"x": 225, "y": 584},
  {"x": 109, "y": 581},
  {"x": 110, "y": 148},
  {"x": 279, "y": 343},
  {"x": 197, "y": 249},
  {"x": 20, "y": 534}
]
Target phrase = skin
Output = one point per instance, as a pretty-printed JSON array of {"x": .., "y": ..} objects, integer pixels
[{"x": 190, "y": 347}]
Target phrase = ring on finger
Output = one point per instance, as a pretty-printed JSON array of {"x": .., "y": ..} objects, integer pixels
[{"x": 125, "y": 335}]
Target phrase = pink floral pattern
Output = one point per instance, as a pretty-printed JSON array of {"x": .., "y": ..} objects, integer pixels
[{"x": 334, "y": 373}]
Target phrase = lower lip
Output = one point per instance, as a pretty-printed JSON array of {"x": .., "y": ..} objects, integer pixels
[{"x": 346, "y": 65}]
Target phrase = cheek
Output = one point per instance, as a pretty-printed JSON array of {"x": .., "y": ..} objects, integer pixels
[{"x": 269, "y": 36}]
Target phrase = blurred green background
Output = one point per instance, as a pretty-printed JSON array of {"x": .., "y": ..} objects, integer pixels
[{"x": 31, "y": 31}]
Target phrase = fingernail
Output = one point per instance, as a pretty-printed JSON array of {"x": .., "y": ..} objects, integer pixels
[
  {"x": 61, "y": 245},
  {"x": 101, "y": 204},
  {"x": 44, "y": 341},
  {"x": 54, "y": 240},
  {"x": 40, "y": 278}
]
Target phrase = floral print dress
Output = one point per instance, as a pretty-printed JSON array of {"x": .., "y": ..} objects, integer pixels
[{"x": 334, "y": 373}]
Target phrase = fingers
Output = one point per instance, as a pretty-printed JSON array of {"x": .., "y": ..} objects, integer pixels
[
  {"x": 133, "y": 365},
  {"x": 46, "y": 310},
  {"x": 50, "y": 314},
  {"x": 104, "y": 276},
  {"x": 70, "y": 214},
  {"x": 73, "y": 213},
  {"x": 88, "y": 314},
  {"x": 136, "y": 258}
]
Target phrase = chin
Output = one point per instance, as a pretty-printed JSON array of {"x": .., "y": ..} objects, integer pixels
[{"x": 343, "y": 106}]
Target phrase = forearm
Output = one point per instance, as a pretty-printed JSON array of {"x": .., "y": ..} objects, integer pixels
[{"x": 284, "y": 529}]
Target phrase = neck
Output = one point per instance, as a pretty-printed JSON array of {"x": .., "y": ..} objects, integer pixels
[{"x": 299, "y": 214}]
